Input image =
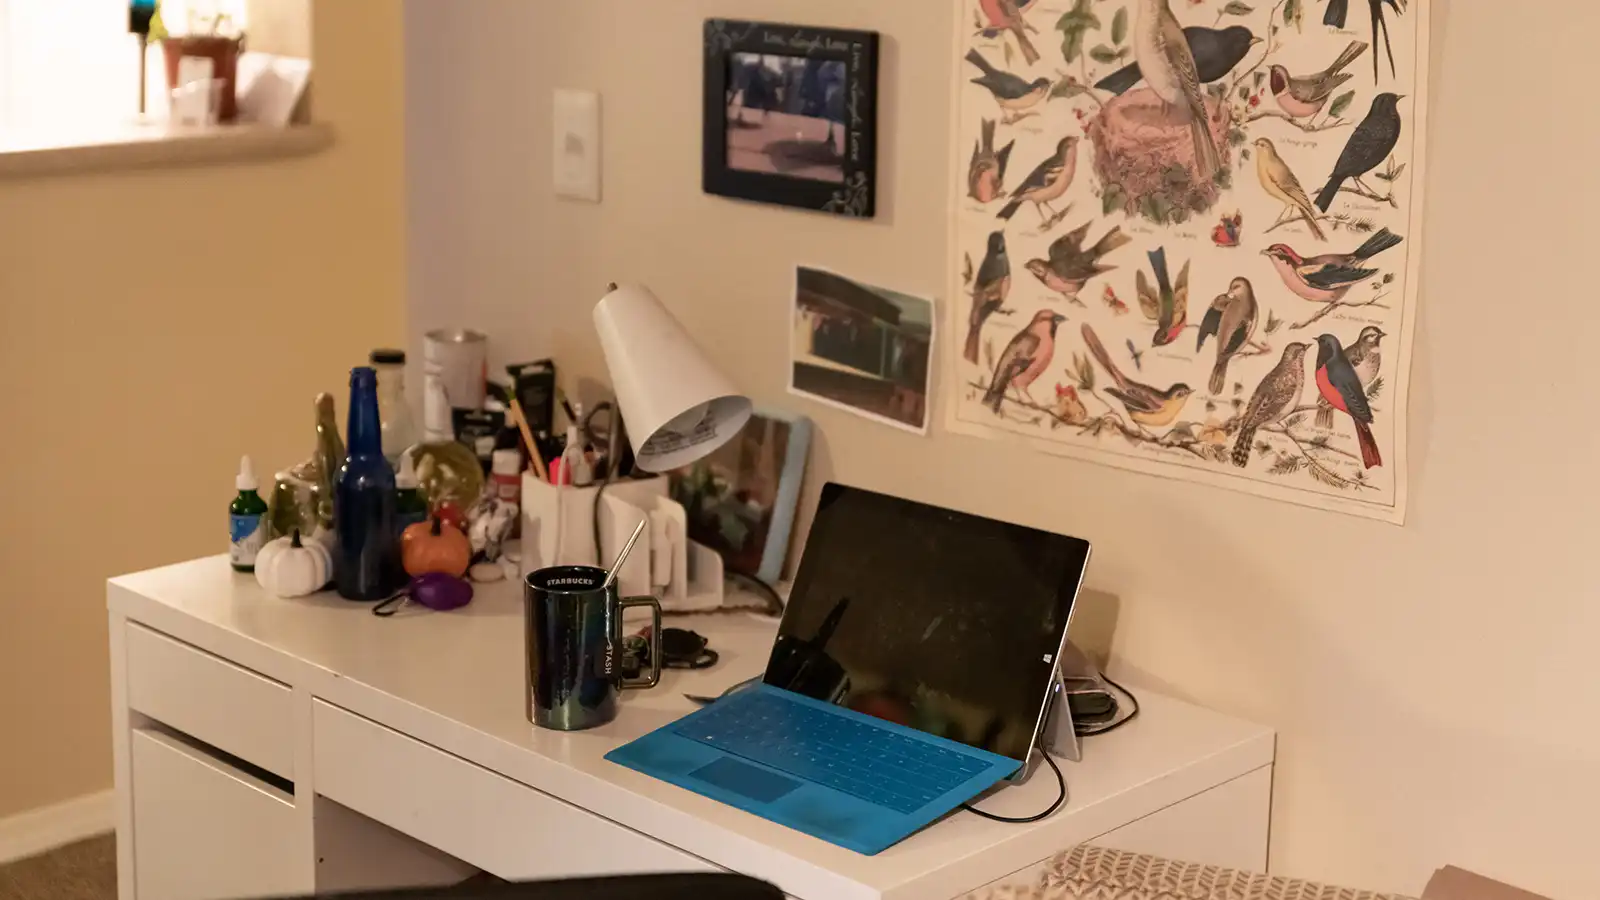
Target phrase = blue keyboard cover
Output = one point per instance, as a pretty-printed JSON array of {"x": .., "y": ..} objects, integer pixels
[{"x": 858, "y": 758}]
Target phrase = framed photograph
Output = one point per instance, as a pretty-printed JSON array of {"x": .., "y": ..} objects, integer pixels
[
  {"x": 791, "y": 116},
  {"x": 740, "y": 500},
  {"x": 861, "y": 348}
]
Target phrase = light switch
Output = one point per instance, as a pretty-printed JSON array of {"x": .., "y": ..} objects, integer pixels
[{"x": 577, "y": 144}]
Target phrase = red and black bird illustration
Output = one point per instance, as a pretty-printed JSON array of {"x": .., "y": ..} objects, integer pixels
[
  {"x": 1070, "y": 266},
  {"x": 1277, "y": 393},
  {"x": 1024, "y": 359},
  {"x": 1167, "y": 304},
  {"x": 986, "y": 174},
  {"x": 1145, "y": 404},
  {"x": 1232, "y": 319},
  {"x": 1339, "y": 10},
  {"x": 990, "y": 288},
  {"x": 1000, "y": 16},
  {"x": 1367, "y": 358},
  {"x": 1303, "y": 96},
  {"x": 1327, "y": 278},
  {"x": 1339, "y": 384}
]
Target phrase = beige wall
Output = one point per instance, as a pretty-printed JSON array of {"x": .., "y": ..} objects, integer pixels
[
  {"x": 153, "y": 327},
  {"x": 1435, "y": 686}
]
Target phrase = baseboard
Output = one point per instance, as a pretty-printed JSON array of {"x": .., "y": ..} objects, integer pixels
[{"x": 38, "y": 830}]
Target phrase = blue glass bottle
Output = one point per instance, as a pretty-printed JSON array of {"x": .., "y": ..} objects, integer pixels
[{"x": 365, "y": 563}]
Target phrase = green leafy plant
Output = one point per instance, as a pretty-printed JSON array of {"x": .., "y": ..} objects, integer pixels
[{"x": 1073, "y": 25}]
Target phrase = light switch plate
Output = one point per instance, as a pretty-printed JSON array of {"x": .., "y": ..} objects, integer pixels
[{"x": 577, "y": 144}]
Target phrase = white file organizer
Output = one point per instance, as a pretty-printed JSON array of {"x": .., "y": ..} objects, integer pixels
[{"x": 685, "y": 576}]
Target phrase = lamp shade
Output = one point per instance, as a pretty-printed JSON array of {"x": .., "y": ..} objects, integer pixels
[{"x": 678, "y": 408}]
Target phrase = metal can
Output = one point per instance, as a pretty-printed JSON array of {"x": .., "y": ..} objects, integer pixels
[{"x": 460, "y": 359}]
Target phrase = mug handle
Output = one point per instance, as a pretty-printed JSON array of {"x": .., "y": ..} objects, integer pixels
[{"x": 655, "y": 641}]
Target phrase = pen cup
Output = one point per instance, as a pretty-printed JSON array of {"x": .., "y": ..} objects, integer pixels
[{"x": 572, "y": 631}]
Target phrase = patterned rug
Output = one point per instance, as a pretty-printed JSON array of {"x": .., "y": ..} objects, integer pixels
[{"x": 1095, "y": 873}]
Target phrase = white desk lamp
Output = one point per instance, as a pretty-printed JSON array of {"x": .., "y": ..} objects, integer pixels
[{"x": 677, "y": 407}]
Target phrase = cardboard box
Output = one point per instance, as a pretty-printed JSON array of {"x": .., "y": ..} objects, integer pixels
[{"x": 1451, "y": 883}]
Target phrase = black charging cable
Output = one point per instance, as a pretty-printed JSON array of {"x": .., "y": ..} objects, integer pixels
[
  {"x": 1061, "y": 783},
  {"x": 1061, "y": 780}
]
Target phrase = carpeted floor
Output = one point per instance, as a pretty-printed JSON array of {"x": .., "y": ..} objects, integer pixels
[{"x": 86, "y": 870}]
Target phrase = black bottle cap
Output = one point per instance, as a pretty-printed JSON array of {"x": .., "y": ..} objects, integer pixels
[{"x": 385, "y": 356}]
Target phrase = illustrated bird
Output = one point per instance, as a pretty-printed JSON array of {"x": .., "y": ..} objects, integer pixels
[
  {"x": 1341, "y": 387},
  {"x": 1024, "y": 359},
  {"x": 1329, "y": 277},
  {"x": 1215, "y": 50},
  {"x": 1232, "y": 320},
  {"x": 1371, "y": 143},
  {"x": 1275, "y": 396},
  {"x": 1303, "y": 96},
  {"x": 1339, "y": 10},
  {"x": 986, "y": 174},
  {"x": 1015, "y": 95},
  {"x": 1367, "y": 359},
  {"x": 1046, "y": 184},
  {"x": 1278, "y": 180},
  {"x": 990, "y": 288},
  {"x": 1069, "y": 408},
  {"x": 1070, "y": 266},
  {"x": 1006, "y": 15},
  {"x": 1167, "y": 304},
  {"x": 1146, "y": 405},
  {"x": 1169, "y": 69}
]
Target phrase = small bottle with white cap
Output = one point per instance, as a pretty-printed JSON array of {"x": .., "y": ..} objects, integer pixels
[{"x": 247, "y": 518}]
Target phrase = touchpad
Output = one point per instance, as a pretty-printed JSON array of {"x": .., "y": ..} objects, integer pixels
[{"x": 745, "y": 780}]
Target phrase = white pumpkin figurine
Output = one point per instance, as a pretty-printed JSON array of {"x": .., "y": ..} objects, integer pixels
[{"x": 288, "y": 567}]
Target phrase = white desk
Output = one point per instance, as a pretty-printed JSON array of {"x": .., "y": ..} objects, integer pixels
[{"x": 260, "y": 742}]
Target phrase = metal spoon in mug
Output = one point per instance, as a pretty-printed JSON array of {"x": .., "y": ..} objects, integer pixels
[{"x": 622, "y": 557}]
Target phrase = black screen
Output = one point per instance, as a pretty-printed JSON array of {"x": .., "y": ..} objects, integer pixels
[{"x": 942, "y": 621}]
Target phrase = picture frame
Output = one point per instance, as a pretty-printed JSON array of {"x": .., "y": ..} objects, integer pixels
[
  {"x": 741, "y": 500},
  {"x": 791, "y": 116}
]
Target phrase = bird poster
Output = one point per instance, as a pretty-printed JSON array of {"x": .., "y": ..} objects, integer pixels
[{"x": 1187, "y": 238}]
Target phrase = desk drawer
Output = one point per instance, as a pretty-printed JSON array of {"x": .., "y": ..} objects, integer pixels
[
  {"x": 228, "y": 707},
  {"x": 208, "y": 831},
  {"x": 501, "y": 826}
]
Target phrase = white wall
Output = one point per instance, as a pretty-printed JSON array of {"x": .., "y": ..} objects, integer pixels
[{"x": 1435, "y": 686}]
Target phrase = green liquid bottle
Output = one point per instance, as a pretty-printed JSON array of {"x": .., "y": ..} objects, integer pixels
[
  {"x": 247, "y": 520},
  {"x": 409, "y": 505}
]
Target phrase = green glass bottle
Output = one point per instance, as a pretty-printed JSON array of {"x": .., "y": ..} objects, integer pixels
[
  {"x": 247, "y": 520},
  {"x": 409, "y": 505}
]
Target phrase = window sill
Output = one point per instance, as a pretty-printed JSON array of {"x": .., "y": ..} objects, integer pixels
[{"x": 146, "y": 146}]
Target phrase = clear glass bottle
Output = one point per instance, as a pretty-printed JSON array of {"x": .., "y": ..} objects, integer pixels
[
  {"x": 394, "y": 413},
  {"x": 448, "y": 472},
  {"x": 366, "y": 562}
]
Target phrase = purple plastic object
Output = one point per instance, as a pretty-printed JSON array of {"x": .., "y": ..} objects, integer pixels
[{"x": 440, "y": 592}]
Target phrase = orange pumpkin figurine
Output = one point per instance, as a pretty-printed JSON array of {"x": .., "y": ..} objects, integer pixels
[{"x": 434, "y": 546}]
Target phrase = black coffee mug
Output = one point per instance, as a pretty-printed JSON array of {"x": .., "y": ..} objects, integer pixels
[{"x": 572, "y": 631}]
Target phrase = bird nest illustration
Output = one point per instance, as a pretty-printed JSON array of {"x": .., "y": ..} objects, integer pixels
[{"x": 1144, "y": 156}]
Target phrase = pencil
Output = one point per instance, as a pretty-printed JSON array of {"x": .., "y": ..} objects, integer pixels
[{"x": 534, "y": 457}]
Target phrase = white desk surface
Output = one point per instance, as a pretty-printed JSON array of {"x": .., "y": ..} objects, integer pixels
[{"x": 454, "y": 680}]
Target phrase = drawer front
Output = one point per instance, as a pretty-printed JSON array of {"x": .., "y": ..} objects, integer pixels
[
  {"x": 501, "y": 826},
  {"x": 229, "y": 707},
  {"x": 206, "y": 831}
]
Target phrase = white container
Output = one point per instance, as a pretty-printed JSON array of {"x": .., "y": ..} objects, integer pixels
[{"x": 460, "y": 358}]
